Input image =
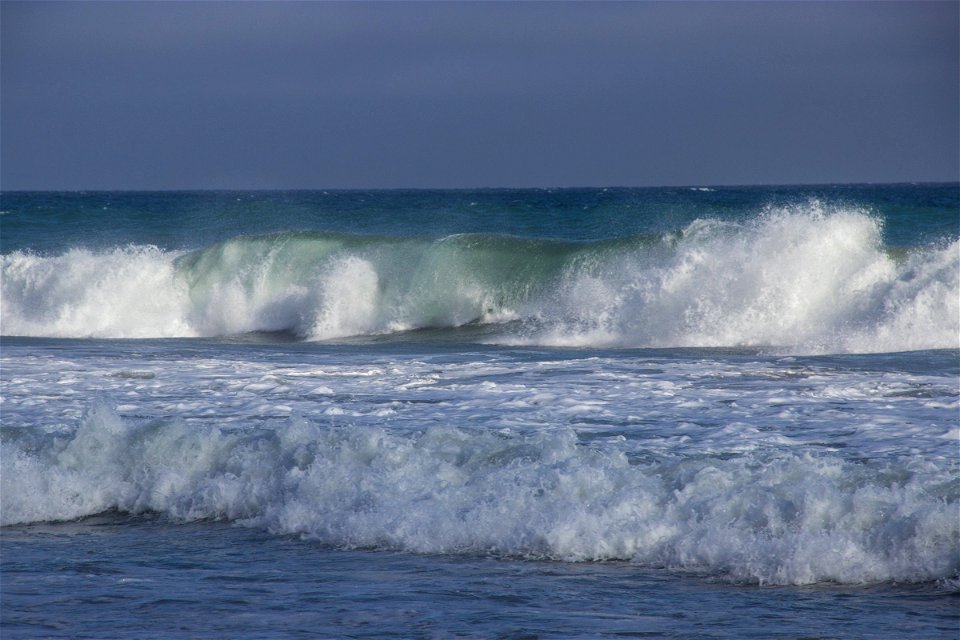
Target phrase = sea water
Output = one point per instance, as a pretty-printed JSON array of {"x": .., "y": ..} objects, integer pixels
[{"x": 686, "y": 412}]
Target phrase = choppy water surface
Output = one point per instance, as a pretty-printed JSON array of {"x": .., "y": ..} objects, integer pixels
[{"x": 712, "y": 413}]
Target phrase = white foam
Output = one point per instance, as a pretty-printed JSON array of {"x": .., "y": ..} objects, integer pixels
[
  {"x": 351, "y": 291},
  {"x": 806, "y": 279},
  {"x": 129, "y": 292},
  {"x": 758, "y": 517}
]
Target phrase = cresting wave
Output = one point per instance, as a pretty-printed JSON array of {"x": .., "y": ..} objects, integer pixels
[
  {"x": 760, "y": 517},
  {"x": 805, "y": 279}
]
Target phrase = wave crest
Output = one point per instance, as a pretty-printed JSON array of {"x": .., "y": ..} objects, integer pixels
[{"x": 808, "y": 279}]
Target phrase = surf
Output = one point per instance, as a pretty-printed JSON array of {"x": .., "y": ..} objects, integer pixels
[
  {"x": 761, "y": 517},
  {"x": 803, "y": 278}
]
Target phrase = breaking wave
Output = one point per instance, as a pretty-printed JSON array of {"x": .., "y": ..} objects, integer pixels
[
  {"x": 801, "y": 279},
  {"x": 760, "y": 517}
]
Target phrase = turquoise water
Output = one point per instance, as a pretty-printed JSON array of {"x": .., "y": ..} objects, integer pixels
[{"x": 694, "y": 412}]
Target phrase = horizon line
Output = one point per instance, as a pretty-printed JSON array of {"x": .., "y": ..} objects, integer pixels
[{"x": 484, "y": 188}]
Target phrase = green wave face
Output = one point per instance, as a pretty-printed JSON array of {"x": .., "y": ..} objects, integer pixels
[
  {"x": 322, "y": 285},
  {"x": 809, "y": 280}
]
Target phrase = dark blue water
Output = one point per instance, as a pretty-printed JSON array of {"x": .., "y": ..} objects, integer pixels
[
  {"x": 117, "y": 576},
  {"x": 55, "y": 221}
]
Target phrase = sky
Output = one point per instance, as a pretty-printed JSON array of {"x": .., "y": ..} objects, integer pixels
[{"x": 286, "y": 95}]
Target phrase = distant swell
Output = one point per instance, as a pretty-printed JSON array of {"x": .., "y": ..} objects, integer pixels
[
  {"x": 803, "y": 279},
  {"x": 759, "y": 517}
]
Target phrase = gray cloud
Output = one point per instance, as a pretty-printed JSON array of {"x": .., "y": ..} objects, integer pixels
[{"x": 285, "y": 95}]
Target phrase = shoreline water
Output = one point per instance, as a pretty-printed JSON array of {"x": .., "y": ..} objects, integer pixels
[{"x": 285, "y": 587}]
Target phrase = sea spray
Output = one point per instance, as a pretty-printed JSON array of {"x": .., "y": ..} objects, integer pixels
[
  {"x": 799, "y": 279},
  {"x": 420, "y": 472},
  {"x": 127, "y": 292},
  {"x": 808, "y": 281}
]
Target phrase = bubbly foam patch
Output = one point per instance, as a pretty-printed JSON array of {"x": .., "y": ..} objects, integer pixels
[
  {"x": 128, "y": 292},
  {"x": 805, "y": 280},
  {"x": 757, "y": 517}
]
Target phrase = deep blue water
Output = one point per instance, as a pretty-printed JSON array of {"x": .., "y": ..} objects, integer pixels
[
  {"x": 56, "y": 221},
  {"x": 726, "y": 413}
]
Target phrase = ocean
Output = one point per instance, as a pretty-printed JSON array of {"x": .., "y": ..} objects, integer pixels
[{"x": 711, "y": 412}]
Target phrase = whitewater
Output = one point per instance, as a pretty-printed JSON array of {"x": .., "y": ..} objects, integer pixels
[
  {"x": 481, "y": 413},
  {"x": 808, "y": 280}
]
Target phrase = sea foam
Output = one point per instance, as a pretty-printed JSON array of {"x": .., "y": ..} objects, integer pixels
[
  {"x": 804, "y": 279},
  {"x": 809, "y": 280},
  {"x": 759, "y": 517}
]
